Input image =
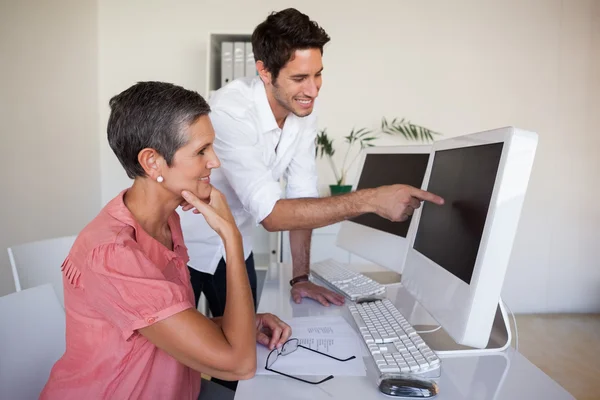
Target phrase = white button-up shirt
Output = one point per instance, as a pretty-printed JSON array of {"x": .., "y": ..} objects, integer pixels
[{"x": 255, "y": 154}]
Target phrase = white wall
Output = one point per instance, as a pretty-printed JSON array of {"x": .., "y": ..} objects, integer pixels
[
  {"x": 49, "y": 154},
  {"x": 455, "y": 67},
  {"x": 556, "y": 255}
]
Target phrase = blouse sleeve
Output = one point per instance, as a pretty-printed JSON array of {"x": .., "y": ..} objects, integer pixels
[{"x": 129, "y": 290}]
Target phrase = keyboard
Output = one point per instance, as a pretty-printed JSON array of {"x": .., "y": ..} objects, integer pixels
[
  {"x": 395, "y": 346},
  {"x": 355, "y": 286}
]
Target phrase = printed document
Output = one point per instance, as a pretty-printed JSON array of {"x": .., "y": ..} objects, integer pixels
[{"x": 330, "y": 335}]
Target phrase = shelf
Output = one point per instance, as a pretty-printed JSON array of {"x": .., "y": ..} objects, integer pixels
[{"x": 213, "y": 68}]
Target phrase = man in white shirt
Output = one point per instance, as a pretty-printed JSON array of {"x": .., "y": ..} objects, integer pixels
[{"x": 265, "y": 130}]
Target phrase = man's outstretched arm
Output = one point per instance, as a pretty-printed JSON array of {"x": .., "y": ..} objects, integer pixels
[{"x": 394, "y": 202}]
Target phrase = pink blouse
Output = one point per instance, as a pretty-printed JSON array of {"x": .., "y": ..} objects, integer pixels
[{"x": 118, "y": 279}]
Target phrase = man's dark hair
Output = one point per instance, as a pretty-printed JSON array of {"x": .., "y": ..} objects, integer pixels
[
  {"x": 276, "y": 39},
  {"x": 151, "y": 115}
]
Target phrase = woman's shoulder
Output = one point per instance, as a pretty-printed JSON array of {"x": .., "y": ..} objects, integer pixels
[
  {"x": 98, "y": 239},
  {"x": 112, "y": 228},
  {"x": 104, "y": 230}
]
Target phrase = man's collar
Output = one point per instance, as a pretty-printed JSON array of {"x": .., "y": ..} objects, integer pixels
[{"x": 265, "y": 114}]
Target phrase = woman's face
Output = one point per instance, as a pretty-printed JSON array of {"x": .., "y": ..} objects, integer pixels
[{"x": 192, "y": 163}]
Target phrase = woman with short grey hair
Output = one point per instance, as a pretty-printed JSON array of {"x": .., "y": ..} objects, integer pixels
[{"x": 132, "y": 329}]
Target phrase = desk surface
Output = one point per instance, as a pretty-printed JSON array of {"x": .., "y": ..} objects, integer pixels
[{"x": 506, "y": 375}]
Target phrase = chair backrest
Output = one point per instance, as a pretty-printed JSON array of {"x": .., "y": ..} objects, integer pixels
[
  {"x": 32, "y": 339},
  {"x": 37, "y": 263}
]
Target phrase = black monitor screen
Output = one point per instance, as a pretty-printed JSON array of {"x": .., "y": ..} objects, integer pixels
[
  {"x": 388, "y": 169},
  {"x": 450, "y": 234}
]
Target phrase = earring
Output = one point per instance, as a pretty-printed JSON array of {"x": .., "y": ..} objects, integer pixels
[{"x": 160, "y": 179}]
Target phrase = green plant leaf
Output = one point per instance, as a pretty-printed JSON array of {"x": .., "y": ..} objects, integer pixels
[
  {"x": 323, "y": 144},
  {"x": 414, "y": 132},
  {"x": 408, "y": 130},
  {"x": 362, "y": 132}
]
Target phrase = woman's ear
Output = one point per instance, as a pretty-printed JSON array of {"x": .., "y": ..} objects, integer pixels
[{"x": 151, "y": 162}]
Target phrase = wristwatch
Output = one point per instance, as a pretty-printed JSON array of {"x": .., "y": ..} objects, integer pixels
[{"x": 299, "y": 278}]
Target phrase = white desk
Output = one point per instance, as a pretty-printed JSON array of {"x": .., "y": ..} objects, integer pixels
[{"x": 508, "y": 375}]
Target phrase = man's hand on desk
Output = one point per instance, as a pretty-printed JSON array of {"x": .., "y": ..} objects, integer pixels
[
  {"x": 271, "y": 331},
  {"x": 315, "y": 292}
]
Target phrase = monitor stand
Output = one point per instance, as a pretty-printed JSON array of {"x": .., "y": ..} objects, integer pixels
[{"x": 500, "y": 338}]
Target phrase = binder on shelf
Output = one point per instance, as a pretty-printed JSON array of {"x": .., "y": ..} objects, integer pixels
[
  {"x": 250, "y": 63},
  {"x": 239, "y": 50},
  {"x": 226, "y": 63}
]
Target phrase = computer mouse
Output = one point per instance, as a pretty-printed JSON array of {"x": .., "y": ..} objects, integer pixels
[{"x": 408, "y": 387}]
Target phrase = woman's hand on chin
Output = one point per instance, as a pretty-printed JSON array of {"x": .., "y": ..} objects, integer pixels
[
  {"x": 216, "y": 211},
  {"x": 187, "y": 206}
]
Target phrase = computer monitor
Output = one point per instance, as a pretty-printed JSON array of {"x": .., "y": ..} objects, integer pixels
[
  {"x": 458, "y": 253},
  {"x": 370, "y": 236}
]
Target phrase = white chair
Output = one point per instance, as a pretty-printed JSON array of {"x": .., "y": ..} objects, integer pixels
[
  {"x": 32, "y": 339},
  {"x": 37, "y": 263}
]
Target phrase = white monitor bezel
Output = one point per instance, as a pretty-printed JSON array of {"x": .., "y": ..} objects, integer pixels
[
  {"x": 382, "y": 248},
  {"x": 467, "y": 311}
]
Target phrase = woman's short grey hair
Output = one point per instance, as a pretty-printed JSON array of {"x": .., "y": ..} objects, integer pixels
[{"x": 151, "y": 115}]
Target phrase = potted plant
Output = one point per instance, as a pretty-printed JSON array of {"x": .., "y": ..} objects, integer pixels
[{"x": 364, "y": 138}]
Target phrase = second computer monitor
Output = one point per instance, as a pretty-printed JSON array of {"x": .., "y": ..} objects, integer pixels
[
  {"x": 370, "y": 236},
  {"x": 459, "y": 252}
]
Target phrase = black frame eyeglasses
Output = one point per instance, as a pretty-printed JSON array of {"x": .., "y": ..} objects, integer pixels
[{"x": 288, "y": 348}]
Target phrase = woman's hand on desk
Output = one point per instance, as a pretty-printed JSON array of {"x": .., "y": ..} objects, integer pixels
[
  {"x": 315, "y": 292},
  {"x": 271, "y": 331}
]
